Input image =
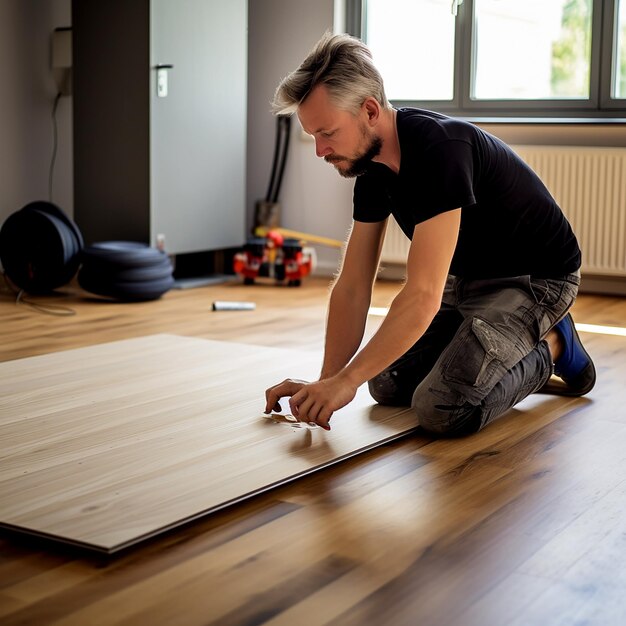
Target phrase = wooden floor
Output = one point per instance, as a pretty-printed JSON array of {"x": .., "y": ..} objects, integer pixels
[{"x": 523, "y": 523}]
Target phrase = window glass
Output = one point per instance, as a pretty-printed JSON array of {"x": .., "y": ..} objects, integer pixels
[
  {"x": 531, "y": 49},
  {"x": 619, "y": 73},
  {"x": 413, "y": 46}
]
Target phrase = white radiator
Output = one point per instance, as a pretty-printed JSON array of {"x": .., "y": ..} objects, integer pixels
[{"x": 589, "y": 184}]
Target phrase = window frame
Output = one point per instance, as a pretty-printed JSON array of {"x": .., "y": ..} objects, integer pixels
[
  {"x": 599, "y": 107},
  {"x": 609, "y": 50}
]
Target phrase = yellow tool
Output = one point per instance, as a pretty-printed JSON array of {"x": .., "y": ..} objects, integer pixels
[{"x": 261, "y": 231}]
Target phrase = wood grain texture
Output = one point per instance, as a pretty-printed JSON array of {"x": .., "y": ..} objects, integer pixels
[
  {"x": 520, "y": 524},
  {"x": 107, "y": 445}
]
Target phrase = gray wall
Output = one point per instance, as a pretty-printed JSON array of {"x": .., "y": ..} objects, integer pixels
[
  {"x": 27, "y": 91},
  {"x": 314, "y": 198}
]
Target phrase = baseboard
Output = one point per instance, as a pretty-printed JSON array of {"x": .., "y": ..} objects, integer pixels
[
  {"x": 203, "y": 281},
  {"x": 604, "y": 285}
]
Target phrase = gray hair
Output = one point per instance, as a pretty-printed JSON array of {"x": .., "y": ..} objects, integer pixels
[{"x": 344, "y": 65}]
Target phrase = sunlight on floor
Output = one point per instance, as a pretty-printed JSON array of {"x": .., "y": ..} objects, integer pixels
[
  {"x": 619, "y": 331},
  {"x": 602, "y": 330}
]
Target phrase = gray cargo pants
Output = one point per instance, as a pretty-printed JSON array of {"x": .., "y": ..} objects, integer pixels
[{"x": 483, "y": 353}]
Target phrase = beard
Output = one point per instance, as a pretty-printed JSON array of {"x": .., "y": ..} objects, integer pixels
[{"x": 359, "y": 164}]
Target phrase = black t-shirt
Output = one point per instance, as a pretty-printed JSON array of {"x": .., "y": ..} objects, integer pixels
[{"x": 510, "y": 224}]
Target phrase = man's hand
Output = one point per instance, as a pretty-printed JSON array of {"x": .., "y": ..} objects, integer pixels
[{"x": 312, "y": 402}]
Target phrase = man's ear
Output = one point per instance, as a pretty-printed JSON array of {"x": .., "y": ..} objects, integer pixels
[{"x": 371, "y": 107}]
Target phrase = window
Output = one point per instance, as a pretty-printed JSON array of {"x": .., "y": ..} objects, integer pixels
[
  {"x": 534, "y": 49},
  {"x": 619, "y": 75},
  {"x": 425, "y": 32},
  {"x": 499, "y": 58}
]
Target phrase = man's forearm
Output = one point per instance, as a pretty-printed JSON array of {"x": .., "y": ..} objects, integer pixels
[
  {"x": 408, "y": 318},
  {"x": 347, "y": 315}
]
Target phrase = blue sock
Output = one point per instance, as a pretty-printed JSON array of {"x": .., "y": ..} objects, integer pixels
[{"x": 573, "y": 359}]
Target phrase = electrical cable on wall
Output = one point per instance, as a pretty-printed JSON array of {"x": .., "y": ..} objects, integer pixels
[
  {"x": 55, "y": 144},
  {"x": 267, "y": 211}
]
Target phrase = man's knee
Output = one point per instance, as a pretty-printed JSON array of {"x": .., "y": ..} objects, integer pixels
[{"x": 445, "y": 417}]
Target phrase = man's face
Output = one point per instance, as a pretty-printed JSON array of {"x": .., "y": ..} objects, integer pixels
[{"x": 341, "y": 138}]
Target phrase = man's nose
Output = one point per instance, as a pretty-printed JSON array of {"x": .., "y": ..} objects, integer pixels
[{"x": 322, "y": 148}]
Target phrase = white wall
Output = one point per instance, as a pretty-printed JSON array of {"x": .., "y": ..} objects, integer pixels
[
  {"x": 27, "y": 92},
  {"x": 314, "y": 198}
]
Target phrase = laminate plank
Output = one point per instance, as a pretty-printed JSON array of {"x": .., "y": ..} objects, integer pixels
[{"x": 110, "y": 444}]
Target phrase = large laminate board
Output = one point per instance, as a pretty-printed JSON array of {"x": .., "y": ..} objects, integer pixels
[{"x": 106, "y": 446}]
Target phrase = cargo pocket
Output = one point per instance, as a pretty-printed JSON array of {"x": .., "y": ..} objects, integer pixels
[
  {"x": 483, "y": 355},
  {"x": 553, "y": 297}
]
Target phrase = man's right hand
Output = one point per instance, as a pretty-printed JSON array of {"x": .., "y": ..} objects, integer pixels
[
  {"x": 286, "y": 389},
  {"x": 313, "y": 402}
]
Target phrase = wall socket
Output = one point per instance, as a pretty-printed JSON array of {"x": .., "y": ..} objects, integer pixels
[{"x": 61, "y": 60}]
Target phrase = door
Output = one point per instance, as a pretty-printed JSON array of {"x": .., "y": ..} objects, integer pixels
[{"x": 198, "y": 124}]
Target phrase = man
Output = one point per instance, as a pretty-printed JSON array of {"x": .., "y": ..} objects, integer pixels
[{"x": 493, "y": 267}]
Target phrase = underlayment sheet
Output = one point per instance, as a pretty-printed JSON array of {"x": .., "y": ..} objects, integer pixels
[{"x": 108, "y": 445}]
